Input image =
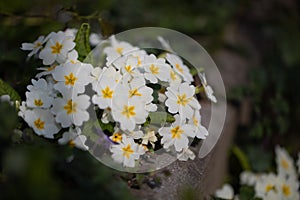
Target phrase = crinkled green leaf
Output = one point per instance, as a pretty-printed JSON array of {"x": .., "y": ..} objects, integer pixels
[
  {"x": 7, "y": 89},
  {"x": 82, "y": 41}
]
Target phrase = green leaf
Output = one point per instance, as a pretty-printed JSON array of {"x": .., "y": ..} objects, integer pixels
[
  {"x": 241, "y": 156},
  {"x": 7, "y": 89},
  {"x": 82, "y": 41}
]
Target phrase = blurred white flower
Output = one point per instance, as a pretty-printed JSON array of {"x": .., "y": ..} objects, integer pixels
[
  {"x": 180, "y": 99},
  {"x": 73, "y": 137},
  {"x": 185, "y": 155},
  {"x": 207, "y": 89},
  {"x": 266, "y": 186},
  {"x": 156, "y": 69},
  {"x": 248, "y": 178},
  {"x": 6, "y": 98},
  {"x": 285, "y": 164},
  {"x": 179, "y": 67},
  {"x": 42, "y": 122},
  {"x": 35, "y": 46},
  {"x": 127, "y": 152},
  {"x": 95, "y": 39},
  {"x": 177, "y": 134},
  {"x": 57, "y": 48},
  {"x": 226, "y": 192},
  {"x": 71, "y": 109},
  {"x": 298, "y": 163},
  {"x": 288, "y": 188}
]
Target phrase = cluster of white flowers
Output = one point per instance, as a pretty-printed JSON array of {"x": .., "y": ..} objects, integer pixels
[
  {"x": 123, "y": 92},
  {"x": 269, "y": 186}
]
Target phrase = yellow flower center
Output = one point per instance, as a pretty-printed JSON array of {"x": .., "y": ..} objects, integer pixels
[
  {"x": 134, "y": 92},
  {"x": 176, "y": 132},
  {"x": 71, "y": 79},
  {"x": 39, "y": 124},
  {"x": 116, "y": 137},
  {"x": 107, "y": 93},
  {"x": 128, "y": 68},
  {"x": 182, "y": 100},
  {"x": 56, "y": 48},
  {"x": 38, "y": 102},
  {"x": 269, "y": 187},
  {"x": 286, "y": 190},
  {"x": 195, "y": 121},
  {"x": 173, "y": 75},
  {"x": 49, "y": 69},
  {"x": 127, "y": 151},
  {"x": 128, "y": 111},
  {"x": 284, "y": 164},
  {"x": 70, "y": 107},
  {"x": 119, "y": 50},
  {"x": 154, "y": 70},
  {"x": 179, "y": 68},
  {"x": 38, "y": 44},
  {"x": 71, "y": 143},
  {"x": 139, "y": 61}
]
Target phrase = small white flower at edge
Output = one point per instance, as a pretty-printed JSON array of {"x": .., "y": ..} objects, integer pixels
[
  {"x": 73, "y": 137},
  {"x": 226, "y": 192},
  {"x": 35, "y": 46},
  {"x": 207, "y": 89},
  {"x": 186, "y": 154}
]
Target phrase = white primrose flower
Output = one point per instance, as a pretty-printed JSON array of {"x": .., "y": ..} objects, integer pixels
[
  {"x": 73, "y": 137},
  {"x": 72, "y": 56},
  {"x": 45, "y": 71},
  {"x": 139, "y": 55},
  {"x": 226, "y": 192},
  {"x": 40, "y": 85},
  {"x": 148, "y": 137},
  {"x": 42, "y": 122},
  {"x": 57, "y": 48},
  {"x": 285, "y": 164},
  {"x": 38, "y": 99},
  {"x": 177, "y": 134},
  {"x": 180, "y": 99},
  {"x": 288, "y": 188},
  {"x": 126, "y": 152},
  {"x": 95, "y": 39},
  {"x": 186, "y": 154},
  {"x": 22, "y": 109},
  {"x": 35, "y": 46},
  {"x": 156, "y": 69},
  {"x": 71, "y": 32},
  {"x": 71, "y": 109},
  {"x": 201, "y": 131},
  {"x": 6, "y": 98},
  {"x": 72, "y": 76},
  {"x": 117, "y": 49},
  {"x": 105, "y": 88},
  {"x": 207, "y": 89},
  {"x": 128, "y": 111},
  {"x": 179, "y": 67},
  {"x": 266, "y": 186},
  {"x": 249, "y": 178},
  {"x": 129, "y": 68}
]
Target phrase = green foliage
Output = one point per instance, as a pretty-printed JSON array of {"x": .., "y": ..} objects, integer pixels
[
  {"x": 7, "y": 89},
  {"x": 241, "y": 157},
  {"x": 82, "y": 41}
]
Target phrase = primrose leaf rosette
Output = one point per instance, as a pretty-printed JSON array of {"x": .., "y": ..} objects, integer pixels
[{"x": 132, "y": 103}]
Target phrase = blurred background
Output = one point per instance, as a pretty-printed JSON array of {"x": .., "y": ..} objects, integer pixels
[{"x": 255, "y": 44}]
